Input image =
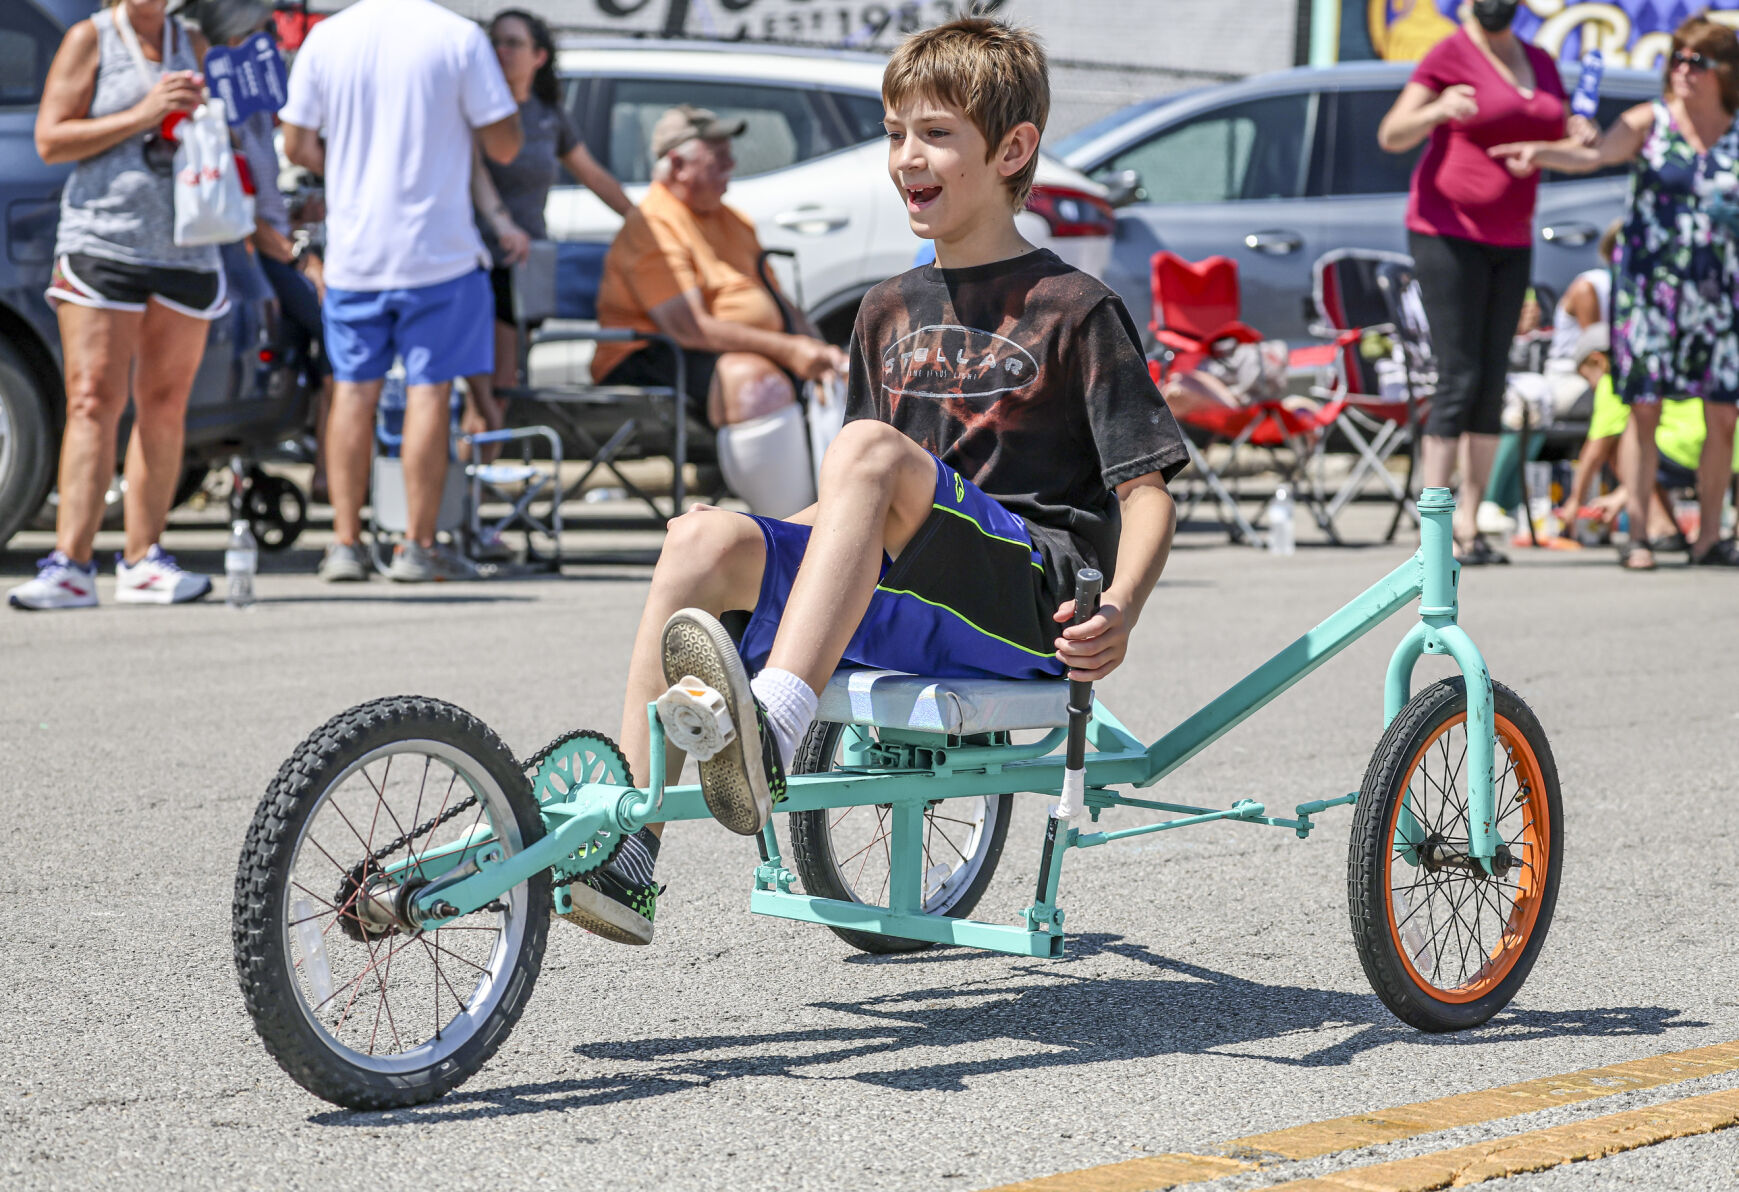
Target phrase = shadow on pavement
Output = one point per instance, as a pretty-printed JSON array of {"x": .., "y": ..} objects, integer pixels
[{"x": 1038, "y": 1016}]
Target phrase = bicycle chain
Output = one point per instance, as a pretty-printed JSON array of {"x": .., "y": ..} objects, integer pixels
[{"x": 352, "y": 925}]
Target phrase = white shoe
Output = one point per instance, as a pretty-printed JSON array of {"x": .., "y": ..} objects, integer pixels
[
  {"x": 1491, "y": 519},
  {"x": 156, "y": 579},
  {"x": 59, "y": 583}
]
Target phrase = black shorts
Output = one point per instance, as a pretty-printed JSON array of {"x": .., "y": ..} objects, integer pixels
[
  {"x": 98, "y": 282},
  {"x": 655, "y": 364},
  {"x": 501, "y": 288}
]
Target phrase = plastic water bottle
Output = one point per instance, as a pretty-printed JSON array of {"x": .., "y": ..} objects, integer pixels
[
  {"x": 1280, "y": 535},
  {"x": 241, "y": 558}
]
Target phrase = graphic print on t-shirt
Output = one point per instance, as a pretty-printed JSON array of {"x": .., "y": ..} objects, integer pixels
[{"x": 948, "y": 360}]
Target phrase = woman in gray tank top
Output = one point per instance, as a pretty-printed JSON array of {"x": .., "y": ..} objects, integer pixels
[{"x": 128, "y": 298}]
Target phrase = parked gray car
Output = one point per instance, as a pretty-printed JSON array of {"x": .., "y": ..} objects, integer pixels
[{"x": 1276, "y": 170}]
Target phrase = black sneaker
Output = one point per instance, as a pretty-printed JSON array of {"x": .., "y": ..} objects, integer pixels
[
  {"x": 743, "y": 780},
  {"x": 621, "y": 911}
]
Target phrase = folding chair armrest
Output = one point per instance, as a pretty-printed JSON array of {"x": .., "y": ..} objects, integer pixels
[{"x": 600, "y": 335}]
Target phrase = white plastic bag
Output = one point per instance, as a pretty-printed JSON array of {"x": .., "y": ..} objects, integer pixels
[
  {"x": 210, "y": 205},
  {"x": 826, "y": 420}
]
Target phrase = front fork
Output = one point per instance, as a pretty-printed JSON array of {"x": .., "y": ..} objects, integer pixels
[{"x": 1438, "y": 633}]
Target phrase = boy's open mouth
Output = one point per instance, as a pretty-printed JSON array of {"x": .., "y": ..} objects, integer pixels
[{"x": 919, "y": 197}]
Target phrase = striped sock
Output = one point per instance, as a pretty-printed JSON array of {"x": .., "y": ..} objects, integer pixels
[{"x": 635, "y": 857}]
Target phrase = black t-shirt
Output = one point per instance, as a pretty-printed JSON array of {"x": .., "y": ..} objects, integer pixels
[{"x": 1026, "y": 376}]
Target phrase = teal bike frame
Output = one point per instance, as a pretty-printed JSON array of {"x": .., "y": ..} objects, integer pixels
[{"x": 909, "y": 771}]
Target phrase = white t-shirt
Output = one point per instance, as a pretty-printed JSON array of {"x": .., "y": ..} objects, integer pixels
[{"x": 396, "y": 86}]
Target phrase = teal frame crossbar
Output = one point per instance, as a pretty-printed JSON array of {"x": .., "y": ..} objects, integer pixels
[{"x": 956, "y": 770}]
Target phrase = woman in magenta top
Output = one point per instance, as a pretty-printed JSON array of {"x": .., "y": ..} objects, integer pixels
[{"x": 1470, "y": 226}]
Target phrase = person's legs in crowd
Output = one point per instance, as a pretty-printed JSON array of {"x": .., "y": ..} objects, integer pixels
[
  {"x": 349, "y": 451},
  {"x": 98, "y": 348},
  {"x": 437, "y": 333},
  {"x": 1714, "y": 476},
  {"x": 1453, "y": 288},
  {"x": 162, "y": 384},
  {"x": 763, "y": 443},
  {"x": 484, "y": 409},
  {"x": 1639, "y": 482}
]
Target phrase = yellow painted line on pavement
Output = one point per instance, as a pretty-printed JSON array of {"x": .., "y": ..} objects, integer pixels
[
  {"x": 1536, "y": 1150},
  {"x": 1153, "y": 1173}
]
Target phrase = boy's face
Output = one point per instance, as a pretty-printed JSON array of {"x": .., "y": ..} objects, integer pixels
[{"x": 937, "y": 160}]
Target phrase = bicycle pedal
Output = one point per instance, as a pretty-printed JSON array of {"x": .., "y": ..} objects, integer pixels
[{"x": 696, "y": 719}]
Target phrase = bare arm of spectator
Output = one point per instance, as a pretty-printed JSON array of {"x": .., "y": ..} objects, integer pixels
[
  {"x": 65, "y": 133},
  {"x": 1418, "y": 110},
  {"x": 686, "y": 320},
  {"x": 1582, "y": 302},
  {"x": 597, "y": 179},
  {"x": 1618, "y": 144},
  {"x": 304, "y": 148},
  {"x": 502, "y": 140},
  {"x": 515, "y": 242}
]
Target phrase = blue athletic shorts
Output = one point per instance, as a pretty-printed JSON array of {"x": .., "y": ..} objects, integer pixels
[
  {"x": 965, "y": 599},
  {"x": 442, "y": 331}
]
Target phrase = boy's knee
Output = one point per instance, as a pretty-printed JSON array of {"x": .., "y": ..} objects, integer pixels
[
  {"x": 870, "y": 447},
  {"x": 707, "y": 543}
]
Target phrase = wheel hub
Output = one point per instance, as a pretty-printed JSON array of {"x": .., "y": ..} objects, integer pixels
[{"x": 1439, "y": 853}]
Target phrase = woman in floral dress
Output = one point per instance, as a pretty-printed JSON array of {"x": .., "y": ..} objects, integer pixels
[{"x": 1676, "y": 271}]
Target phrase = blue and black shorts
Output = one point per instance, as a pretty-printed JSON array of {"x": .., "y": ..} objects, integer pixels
[{"x": 965, "y": 599}]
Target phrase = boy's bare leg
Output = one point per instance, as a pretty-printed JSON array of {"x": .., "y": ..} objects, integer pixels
[
  {"x": 712, "y": 560},
  {"x": 877, "y": 488}
]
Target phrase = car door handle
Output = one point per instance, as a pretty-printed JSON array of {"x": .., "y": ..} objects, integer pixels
[
  {"x": 1571, "y": 235},
  {"x": 1274, "y": 242},
  {"x": 812, "y": 221}
]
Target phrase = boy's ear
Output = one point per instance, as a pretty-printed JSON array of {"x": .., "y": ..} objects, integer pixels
[{"x": 1017, "y": 148}]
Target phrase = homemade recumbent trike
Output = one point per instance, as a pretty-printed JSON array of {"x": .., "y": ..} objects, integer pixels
[{"x": 395, "y": 891}]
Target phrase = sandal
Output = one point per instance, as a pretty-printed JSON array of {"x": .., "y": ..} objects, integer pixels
[
  {"x": 1628, "y": 551},
  {"x": 1479, "y": 553},
  {"x": 1674, "y": 542},
  {"x": 1724, "y": 553}
]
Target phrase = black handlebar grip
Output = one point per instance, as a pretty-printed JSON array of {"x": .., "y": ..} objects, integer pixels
[{"x": 1088, "y": 584}]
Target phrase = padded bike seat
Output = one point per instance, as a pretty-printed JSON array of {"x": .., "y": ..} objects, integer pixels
[{"x": 959, "y": 707}]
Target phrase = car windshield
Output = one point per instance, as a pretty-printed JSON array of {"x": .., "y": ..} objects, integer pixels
[
  {"x": 28, "y": 40},
  {"x": 1103, "y": 125}
]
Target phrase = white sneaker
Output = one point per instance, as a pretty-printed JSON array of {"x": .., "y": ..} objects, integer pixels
[
  {"x": 59, "y": 583},
  {"x": 156, "y": 579},
  {"x": 1490, "y": 518}
]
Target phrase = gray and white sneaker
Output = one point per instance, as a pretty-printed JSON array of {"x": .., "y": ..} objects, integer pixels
[
  {"x": 343, "y": 564},
  {"x": 414, "y": 563}
]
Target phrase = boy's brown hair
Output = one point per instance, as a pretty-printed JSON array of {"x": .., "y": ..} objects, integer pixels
[{"x": 994, "y": 74}]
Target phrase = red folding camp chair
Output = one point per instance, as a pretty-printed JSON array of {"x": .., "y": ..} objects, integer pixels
[
  {"x": 1369, "y": 299},
  {"x": 1195, "y": 318}
]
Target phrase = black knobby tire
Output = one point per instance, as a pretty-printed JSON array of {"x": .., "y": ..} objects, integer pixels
[
  {"x": 26, "y": 442},
  {"x": 814, "y": 855},
  {"x": 276, "y": 511},
  {"x": 1443, "y": 947},
  {"x": 298, "y": 1033}
]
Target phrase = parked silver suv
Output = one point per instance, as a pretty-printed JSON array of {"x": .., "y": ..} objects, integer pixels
[{"x": 1276, "y": 170}]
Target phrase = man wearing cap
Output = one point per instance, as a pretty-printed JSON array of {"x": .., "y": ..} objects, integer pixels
[{"x": 685, "y": 265}]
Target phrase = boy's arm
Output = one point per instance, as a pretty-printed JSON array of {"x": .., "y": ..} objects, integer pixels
[{"x": 1095, "y": 649}]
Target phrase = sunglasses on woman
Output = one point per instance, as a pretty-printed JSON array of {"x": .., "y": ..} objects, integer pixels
[
  {"x": 1693, "y": 60},
  {"x": 159, "y": 154}
]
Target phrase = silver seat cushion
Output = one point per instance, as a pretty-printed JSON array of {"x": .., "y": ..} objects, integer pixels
[{"x": 959, "y": 707}]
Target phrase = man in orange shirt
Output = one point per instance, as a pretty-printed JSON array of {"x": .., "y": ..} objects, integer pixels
[{"x": 685, "y": 265}]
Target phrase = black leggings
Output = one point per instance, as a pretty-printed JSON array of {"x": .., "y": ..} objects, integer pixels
[{"x": 1473, "y": 295}]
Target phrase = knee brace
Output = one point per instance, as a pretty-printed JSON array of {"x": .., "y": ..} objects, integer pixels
[{"x": 766, "y": 462}]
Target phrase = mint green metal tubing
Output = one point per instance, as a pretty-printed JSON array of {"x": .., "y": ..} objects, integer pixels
[
  {"x": 1481, "y": 743},
  {"x": 857, "y": 916},
  {"x": 1261, "y": 686}
]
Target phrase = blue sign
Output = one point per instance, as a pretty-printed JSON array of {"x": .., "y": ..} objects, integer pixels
[
  {"x": 248, "y": 78},
  {"x": 1586, "y": 101}
]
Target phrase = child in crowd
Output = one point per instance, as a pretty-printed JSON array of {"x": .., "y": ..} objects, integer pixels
[{"x": 1002, "y": 433}]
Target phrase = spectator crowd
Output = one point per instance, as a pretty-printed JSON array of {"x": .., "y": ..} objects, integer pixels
[{"x": 435, "y": 143}]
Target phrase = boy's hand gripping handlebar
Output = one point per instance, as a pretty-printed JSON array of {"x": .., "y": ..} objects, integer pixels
[{"x": 1088, "y": 584}]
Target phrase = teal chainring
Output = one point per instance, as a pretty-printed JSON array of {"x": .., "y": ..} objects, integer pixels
[{"x": 558, "y": 770}]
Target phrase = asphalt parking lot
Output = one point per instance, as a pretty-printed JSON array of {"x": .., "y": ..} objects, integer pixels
[{"x": 1211, "y": 992}]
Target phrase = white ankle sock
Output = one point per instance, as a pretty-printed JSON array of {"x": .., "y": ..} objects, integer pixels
[{"x": 790, "y": 707}]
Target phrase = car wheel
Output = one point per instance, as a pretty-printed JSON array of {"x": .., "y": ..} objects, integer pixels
[{"x": 25, "y": 442}]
